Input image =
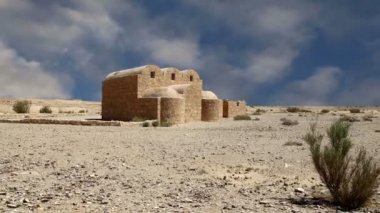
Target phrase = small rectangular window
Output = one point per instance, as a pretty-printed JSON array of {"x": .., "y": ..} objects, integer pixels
[
  {"x": 191, "y": 78},
  {"x": 173, "y": 76},
  {"x": 152, "y": 74}
]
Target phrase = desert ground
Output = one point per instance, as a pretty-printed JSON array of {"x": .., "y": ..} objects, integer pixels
[{"x": 226, "y": 166}]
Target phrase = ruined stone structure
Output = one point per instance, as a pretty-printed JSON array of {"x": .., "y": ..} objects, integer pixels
[{"x": 167, "y": 94}]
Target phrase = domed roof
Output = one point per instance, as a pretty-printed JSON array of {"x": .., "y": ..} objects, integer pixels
[
  {"x": 209, "y": 95},
  {"x": 161, "y": 92}
]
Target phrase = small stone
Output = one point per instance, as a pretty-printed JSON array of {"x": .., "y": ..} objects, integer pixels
[
  {"x": 12, "y": 205},
  {"x": 264, "y": 202},
  {"x": 187, "y": 200},
  {"x": 299, "y": 190}
]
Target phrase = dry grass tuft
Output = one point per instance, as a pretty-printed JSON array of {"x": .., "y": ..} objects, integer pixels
[
  {"x": 293, "y": 143},
  {"x": 349, "y": 118}
]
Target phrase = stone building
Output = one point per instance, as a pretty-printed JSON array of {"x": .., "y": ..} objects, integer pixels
[{"x": 167, "y": 94}]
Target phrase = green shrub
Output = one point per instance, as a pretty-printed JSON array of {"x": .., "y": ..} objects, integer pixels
[
  {"x": 351, "y": 182},
  {"x": 46, "y": 109},
  {"x": 242, "y": 118},
  {"x": 22, "y": 106},
  {"x": 145, "y": 124},
  {"x": 82, "y": 111},
  {"x": 354, "y": 110}
]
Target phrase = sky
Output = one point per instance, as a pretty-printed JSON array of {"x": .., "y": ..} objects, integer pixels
[{"x": 268, "y": 52}]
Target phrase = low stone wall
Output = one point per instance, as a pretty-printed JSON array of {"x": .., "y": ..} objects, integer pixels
[
  {"x": 211, "y": 109},
  {"x": 63, "y": 122},
  {"x": 173, "y": 110}
]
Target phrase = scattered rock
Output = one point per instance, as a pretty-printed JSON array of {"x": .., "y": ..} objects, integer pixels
[{"x": 299, "y": 190}]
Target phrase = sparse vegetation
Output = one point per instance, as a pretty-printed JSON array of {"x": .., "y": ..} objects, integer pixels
[
  {"x": 46, "y": 109},
  {"x": 354, "y": 110},
  {"x": 349, "y": 118},
  {"x": 258, "y": 112},
  {"x": 292, "y": 109},
  {"x": 367, "y": 118},
  {"x": 324, "y": 111},
  {"x": 296, "y": 109},
  {"x": 161, "y": 124},
  {"x": 242, "y": 118},
  {"x": 165, "y": 124},
  {"x": 145, "y": 124},
  {"x": 155, "y": 123},
  {"x": 82, "y": 111},
  {"x": 288, "y": 122},
  {"x": 293, "y": 143},
  {"x": 22, "y": 106},
  {"x": 351, "y": 182}
]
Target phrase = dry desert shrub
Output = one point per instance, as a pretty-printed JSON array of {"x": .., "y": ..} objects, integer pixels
[
  {"x": 145, "y": 124},
  {"x": 258, "y": 112},
  {"x": 165, "y": 124},
  {"x": 296, "y": 109},
  {"x": 354, "y": 110},
  {"x": 288, "y": 122},
  {"x": 367, "y": 117},
  {"x": 349, "y": 118},
  {"x": 155, "y": 123},
  {"x": 22, "y": 106},
  {"x": 242, "y": 118},
  {"x": 46, "y": 109},
  {"x": 324, "y": 111},
  {"x": 351, "y": 182},
  {"x": 293, "y": 143},
  {"x": 292, "y": 109}
]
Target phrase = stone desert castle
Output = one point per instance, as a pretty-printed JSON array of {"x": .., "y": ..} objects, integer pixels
[{"x": 167, "y": 94}]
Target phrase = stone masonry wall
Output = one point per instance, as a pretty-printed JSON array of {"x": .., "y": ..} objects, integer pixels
[
  {"x": 119, "y": 99},
  {"x": 233, "y": 108}
]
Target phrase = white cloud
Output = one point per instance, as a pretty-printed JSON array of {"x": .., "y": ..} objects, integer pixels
[
  {"x": 271, "y": 64},
  {"x": 177, "y": 52},
  {"x": 22, "y": 78},
  {"x": 317, "y": 89},
  {"x": 280, "y": 30}
]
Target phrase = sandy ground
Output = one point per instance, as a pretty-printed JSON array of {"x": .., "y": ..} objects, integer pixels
[{"x": 225, "y": 166}]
